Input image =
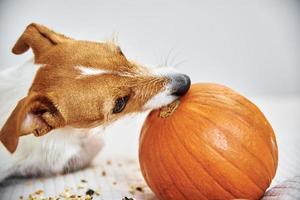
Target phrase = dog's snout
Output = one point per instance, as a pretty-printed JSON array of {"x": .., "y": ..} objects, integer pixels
[{"x": 181, "y": 84}]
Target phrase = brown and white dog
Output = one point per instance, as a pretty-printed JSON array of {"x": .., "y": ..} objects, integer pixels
[{"x": 70, "y": 90}]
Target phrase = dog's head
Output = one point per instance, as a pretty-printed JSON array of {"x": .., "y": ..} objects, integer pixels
[{"x": 84, "y": 84}]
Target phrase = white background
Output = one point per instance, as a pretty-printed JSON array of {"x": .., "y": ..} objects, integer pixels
[{"x": 252, "y": 46}]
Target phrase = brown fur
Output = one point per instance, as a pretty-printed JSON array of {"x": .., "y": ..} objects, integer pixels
[{"x": 61, "y": 96}]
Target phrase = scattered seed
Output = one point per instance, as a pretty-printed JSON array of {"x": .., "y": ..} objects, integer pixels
[
  {"x": 135, "y": 188},
  {"x": 90, "y": 192},
  {"x": 127, "y": 198},
  {"x": 39, "y": 192},
  {"x": 88, "y": 197},
  {"x": 108, "y": 162},
  {"x": 79, "y": 187},
  {"x": 140, "y": 189},
  {"x": 30, "y": 197},
  {"x": 97, "y": 192},
  {"x": 103, "y": 173}
]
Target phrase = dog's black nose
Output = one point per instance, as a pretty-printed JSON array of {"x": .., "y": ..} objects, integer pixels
[{"x": 181, "y": 84}]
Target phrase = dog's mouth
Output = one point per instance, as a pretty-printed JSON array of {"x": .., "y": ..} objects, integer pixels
[{"x": 178, "y": 85}]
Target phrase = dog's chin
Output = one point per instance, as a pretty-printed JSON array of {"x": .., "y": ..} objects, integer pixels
[{"x": 159, "y": 100}]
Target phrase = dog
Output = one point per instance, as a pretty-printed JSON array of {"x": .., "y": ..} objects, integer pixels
[{"x": 60, "y": 100}]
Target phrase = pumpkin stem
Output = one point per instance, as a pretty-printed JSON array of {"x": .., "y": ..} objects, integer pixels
[{"x": 167, "y": 110}]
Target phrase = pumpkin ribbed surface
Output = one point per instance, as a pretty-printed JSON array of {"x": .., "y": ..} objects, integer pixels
[{"x": 215, "y": 144}]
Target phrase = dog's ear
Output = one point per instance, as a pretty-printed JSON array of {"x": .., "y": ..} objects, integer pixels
[
  {"x": 33, "y": 114},
  {"x": 39, "y": 38}
]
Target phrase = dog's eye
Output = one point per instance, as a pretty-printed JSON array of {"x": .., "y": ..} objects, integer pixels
[{"x": 120, "y": 104}]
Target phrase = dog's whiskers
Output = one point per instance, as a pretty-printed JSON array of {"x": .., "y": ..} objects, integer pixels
[
  {"x": 170, "y": 59},
  {"x": 179, "y": 63}
]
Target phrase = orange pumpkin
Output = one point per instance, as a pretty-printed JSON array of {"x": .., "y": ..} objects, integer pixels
[{"x": 214, "y": 144}]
